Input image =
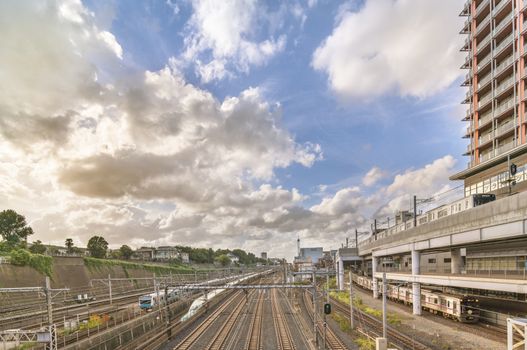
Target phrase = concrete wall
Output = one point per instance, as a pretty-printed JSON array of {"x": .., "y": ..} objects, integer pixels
[
  {"x": 67, "y": 272},
  {"x": 502, "y": 211}
]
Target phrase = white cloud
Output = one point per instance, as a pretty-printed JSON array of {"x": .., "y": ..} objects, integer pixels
[
  {"x": 406, "y": 47},
  {"x": 226, "y": 36},
  {"x": 373, "y": 176}
]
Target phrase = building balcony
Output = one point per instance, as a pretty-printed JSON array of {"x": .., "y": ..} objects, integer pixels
[
  {"x": 484, "y": 81},
  {"x": 466, "y": 10},
  {"x": 484, "y": 61},
  {"x": 483, "y": 43},
  {"x": 506, "y": 21},
  {"x": 504, "y": 86},
  {"x": 486, "y": 156},
  {"x": 468, "y": 115},
  {"x": 504, "y": 44},
  {"x": 484, "y": 3},
  {"x": 483, "y": 24},
  {"x": 504, "y": 64},
  {"x": 484, "y": 119},
  {"x": 505, "y": 148},
  {"x": 466, "y": 45},
  {"x": 500, "y": 6},
  {"x": 470, "y": 148},
  {"x": 504, "y": 128},
  {"x": 503, "y": 107},
  {"x": 485, "y": 139},
  {"x": 484, "y": 100}
]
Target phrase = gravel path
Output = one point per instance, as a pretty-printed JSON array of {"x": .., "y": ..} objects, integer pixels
[{"x": 447, "y": 334}]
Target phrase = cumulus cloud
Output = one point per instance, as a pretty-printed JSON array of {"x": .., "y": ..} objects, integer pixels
[
  {"x": 224, "y": 37},
  {"x": 373, "y": 176},
  {"x": 393, "y": 47},
  {"x": 152, "y": 159}
]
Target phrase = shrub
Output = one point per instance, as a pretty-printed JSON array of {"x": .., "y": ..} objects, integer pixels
[
  {"x": 365, "y": 343},
  {"x": 41, "y": 263},
  {"x": 20, "y": 257}
]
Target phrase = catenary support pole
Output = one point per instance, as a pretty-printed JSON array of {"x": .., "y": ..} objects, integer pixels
[
  {"x": 415, "y": 211},
  {"x": 48, "y": 301},
  {"x": 110, "y": 288},
  {"x": 352, "y": 325},
  {"x": 315, "y": 308},
  {"x": 384, "y": 305}
]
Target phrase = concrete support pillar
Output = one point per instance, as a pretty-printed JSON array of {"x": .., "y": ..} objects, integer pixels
[
  {"x": 416, "y": 287},
  {"x": 341, "y": 274},
  {"x": 456, "y": 262},
  {"x": 381, "y": 344},
  {"x": 374, "y": 284}
]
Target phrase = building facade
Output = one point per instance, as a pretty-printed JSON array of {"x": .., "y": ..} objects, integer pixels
[
  {"x": 315, "y": 254},
  {"x": 495, "y": 99}
]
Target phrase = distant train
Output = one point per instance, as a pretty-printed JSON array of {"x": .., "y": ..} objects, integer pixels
[
  {"x": 458, "y": 206},
  {"x": 459, "y": 307},
  {"x": 149, "y": 301}
]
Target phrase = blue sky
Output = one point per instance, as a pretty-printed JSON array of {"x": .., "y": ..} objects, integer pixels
[
  {"x": 392, "y": 132},
  {"x": 314, "y": 95}
]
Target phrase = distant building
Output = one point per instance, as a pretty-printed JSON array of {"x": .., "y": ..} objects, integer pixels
[
  {"x": 263, "y": 255},
  {"x": 166, "y": 253},
  {"x": 145, "y": 253},
  {"x": 234, "y": 258},
  {"x": 496, "y": 98},
  {"x": 315, "y": 254},
  {"x": 184, "y": 257}
]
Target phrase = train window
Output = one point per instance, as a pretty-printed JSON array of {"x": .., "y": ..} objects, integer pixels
[
  {"x": 435, "y": 300},
  {"x": 448, "y": 303},
  {"x": 454, "y": 305}
]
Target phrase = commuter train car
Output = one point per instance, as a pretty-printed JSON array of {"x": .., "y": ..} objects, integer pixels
[
  {"x": 462, "y": 308},
  {"x": 149, "y": 301},
  {"x": 458, "y": 206}
]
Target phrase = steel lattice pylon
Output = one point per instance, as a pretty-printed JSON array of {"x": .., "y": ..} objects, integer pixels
[{"x": 516, "y": 326}]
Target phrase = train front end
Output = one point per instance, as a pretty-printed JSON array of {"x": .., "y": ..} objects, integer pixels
[
  {"x": 145, "y": 302},
  {"x": 469, "y": 310}
]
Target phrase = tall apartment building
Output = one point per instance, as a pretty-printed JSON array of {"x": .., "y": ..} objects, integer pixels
[{"x": 496, "y": 96}]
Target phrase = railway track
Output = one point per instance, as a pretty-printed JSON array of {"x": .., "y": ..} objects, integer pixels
[
  {"x": 332, "y": 340},
  {"x": 219, "y": 339},
  {"x": 372, "y": 325},
  {"x": 254, "y": 339},
  {"x": 283, "y": 333},
  {"x": 198, "y": 332}
]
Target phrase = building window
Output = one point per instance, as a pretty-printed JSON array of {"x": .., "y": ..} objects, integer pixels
[
  {"x": 447, "y": 260},
  {"x": 431, "y": 261}
]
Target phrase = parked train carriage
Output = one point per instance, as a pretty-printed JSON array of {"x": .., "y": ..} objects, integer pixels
[{"x": 462, "y": 308}]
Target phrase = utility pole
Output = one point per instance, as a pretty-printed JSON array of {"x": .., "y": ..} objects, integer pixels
[
  {"x": 47, "y": 291},
  {"x": 315, "y": 308},
  {"x": 415, "y": 211},
  {"x": 110, "y": 288},
  {"x": 351, "y": 303},
  {"x": 356, "y": 238},
  {"x": 384, "y": 305}
]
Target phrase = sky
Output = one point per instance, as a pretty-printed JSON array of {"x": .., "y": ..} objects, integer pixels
[{"x": 227, "y": 124}]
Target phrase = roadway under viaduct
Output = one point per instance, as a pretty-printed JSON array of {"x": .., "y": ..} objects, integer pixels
[{"x": 498, "y": 221}]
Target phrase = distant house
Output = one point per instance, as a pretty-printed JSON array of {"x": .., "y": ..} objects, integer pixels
[
  {"x": 145, "y": 253},
  {"x": 263, "y": 255},
  {"x": 184, "y": 257},
  {"x": 166, "y": 253},
  {"x": 234, "y": 258}
]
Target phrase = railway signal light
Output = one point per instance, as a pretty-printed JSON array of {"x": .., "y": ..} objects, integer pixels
[
  {"x": 513, "y": 169},
  {"x": 327, "y": 308}
]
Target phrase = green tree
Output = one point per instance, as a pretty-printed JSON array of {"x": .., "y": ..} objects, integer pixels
[
  {"x": 69, "y": 244},
  {"x": 97, "y": 246},
  {"x": 14, "y": 228},
  {"x": 223, "y": 259},
  {"x": 37, "y": 248},
  {"x": 126, "y": 251}
]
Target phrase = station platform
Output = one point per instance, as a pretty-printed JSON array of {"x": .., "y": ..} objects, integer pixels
[{"x": 461, "y": 281}]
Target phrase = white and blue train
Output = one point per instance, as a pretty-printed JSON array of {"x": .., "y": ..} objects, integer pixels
[{"x": 149, "y": 301}]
